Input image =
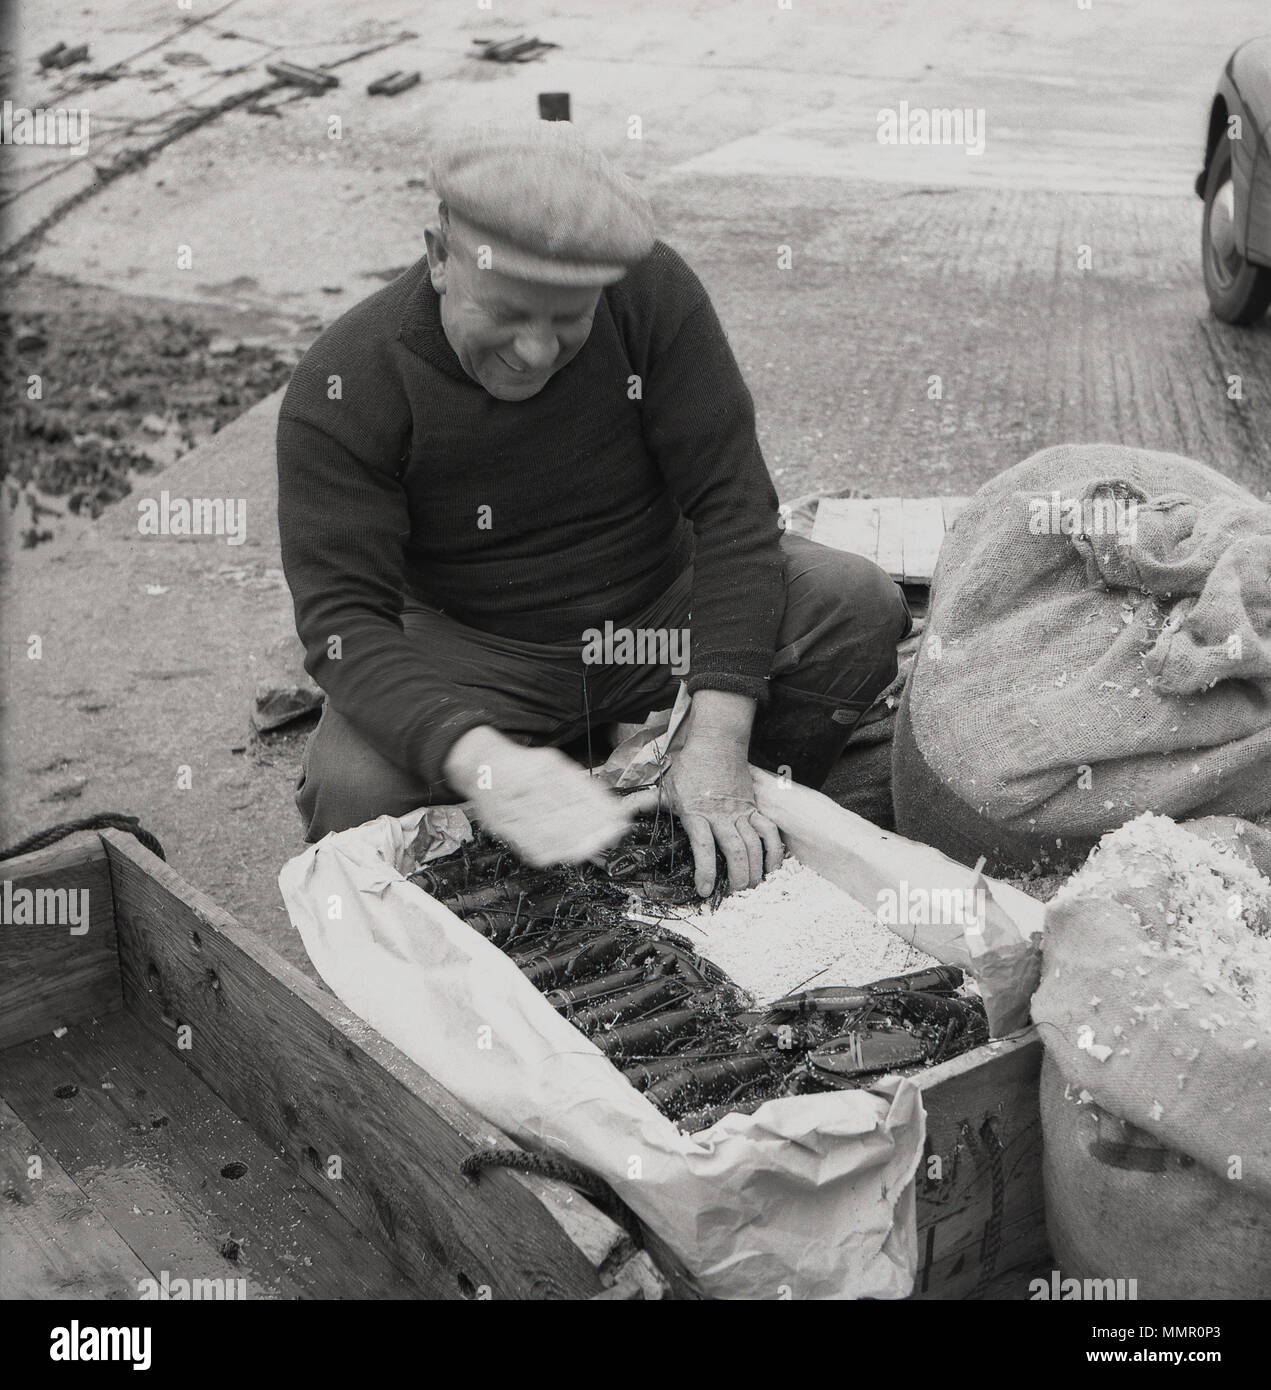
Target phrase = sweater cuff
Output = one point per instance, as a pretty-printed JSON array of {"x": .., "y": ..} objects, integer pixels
[
  {"x": 733, "y": 681},
  {"x": 431, "y": 744}
]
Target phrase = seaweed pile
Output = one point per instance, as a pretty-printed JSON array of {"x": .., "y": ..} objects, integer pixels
[{"x": 593, "y": 938}]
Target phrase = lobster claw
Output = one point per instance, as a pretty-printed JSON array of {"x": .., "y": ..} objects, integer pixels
[
  {"x": 939, "y": 979},
  {"x": 831, "y": 999},
  {"x": 844, "y": 1059},
  {"x": 950, "y": 1018}
]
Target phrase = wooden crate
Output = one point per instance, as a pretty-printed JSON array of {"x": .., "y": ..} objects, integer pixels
[
  {"x": 208, "y": 1112},
  {"x": 201, "y": 1110},
  {"x": 981, "y": 1219}
]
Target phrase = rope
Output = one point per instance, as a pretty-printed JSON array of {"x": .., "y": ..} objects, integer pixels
[
  {"x": 545, "y": 1166},
  {"x": 103, "y": 820},
  {"x": 541, "y": 1164}
]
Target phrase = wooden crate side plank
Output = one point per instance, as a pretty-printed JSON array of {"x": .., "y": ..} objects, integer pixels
[
  {"x": 54, "y": 1244},
  {"x": 991, "y": 1098},
  {"x": 65, "y": 970},
  {"x": 320, "y": 1083}
]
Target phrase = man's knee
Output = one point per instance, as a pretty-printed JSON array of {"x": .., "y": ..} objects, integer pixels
[
  {"x": 841, "y": 610},
  {"x": 345, "y": 782}
]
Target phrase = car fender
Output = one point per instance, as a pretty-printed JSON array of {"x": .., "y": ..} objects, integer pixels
[
  {"x": 1249, "y": 76},
  {"x": 1226, "y": 108},
  {"x": 1249, "y": 71}
]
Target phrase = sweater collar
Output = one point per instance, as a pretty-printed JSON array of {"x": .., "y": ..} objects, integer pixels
[{"x": 422, "y": 333}]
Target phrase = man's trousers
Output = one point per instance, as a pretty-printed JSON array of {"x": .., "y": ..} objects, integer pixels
[{"x": 835, "y": 652}]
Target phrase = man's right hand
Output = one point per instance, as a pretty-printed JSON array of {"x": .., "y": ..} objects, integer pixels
[{"x": 546, "y": 807}]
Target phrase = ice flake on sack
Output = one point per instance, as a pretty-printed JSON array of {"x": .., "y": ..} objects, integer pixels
[
  {"x": 1086, "y": 1043},
  {"x": 1215, "y": 916}
]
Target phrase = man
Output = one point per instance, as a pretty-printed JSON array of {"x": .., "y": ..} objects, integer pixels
[{"x": 537, "y": 431}]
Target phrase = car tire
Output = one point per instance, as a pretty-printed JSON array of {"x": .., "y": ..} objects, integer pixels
[{"x": 1238, "y": 291}]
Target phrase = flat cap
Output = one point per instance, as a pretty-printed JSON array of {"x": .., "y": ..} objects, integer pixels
[{"x": 548, "y": 204}]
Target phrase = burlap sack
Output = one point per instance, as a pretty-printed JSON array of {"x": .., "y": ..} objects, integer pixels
[
  {"x": 1099, "y": 644},
  {"x": 1121, "y": 1206},
  {"x": 1156, "y": 1090}
]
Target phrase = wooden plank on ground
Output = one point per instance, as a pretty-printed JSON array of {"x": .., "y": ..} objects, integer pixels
[
  {"x": 53, "y": 1242},
  {"x": 900, "y": 534},
  {"x": 890, "y": 555},
  {"x": 186, "y": 1183},
  {"x": 953, "y": 508},
  {"x": 64, "y": 970},
  {"x": 315, "y": 1080},
  {"x": 922, "y": 520},
  {"x": 847, "y": 523},
  {"x": 984, "y": 1127}
]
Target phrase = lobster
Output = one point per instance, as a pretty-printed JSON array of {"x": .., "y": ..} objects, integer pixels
[
  {"x": 938, "y": 980},
  {"x": 904, "y": 1029}
]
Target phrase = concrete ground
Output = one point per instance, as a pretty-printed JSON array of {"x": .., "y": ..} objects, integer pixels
[{"x": 759, "y": 131}]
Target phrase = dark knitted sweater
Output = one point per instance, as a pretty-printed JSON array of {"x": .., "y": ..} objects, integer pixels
[{"x": 389, "y": 454}]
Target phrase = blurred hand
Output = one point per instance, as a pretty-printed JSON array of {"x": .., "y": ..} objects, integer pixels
[{"x": 538, "y": 800}]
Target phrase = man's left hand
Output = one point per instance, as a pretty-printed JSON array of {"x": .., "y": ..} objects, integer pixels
[{"x": 713, "y": 794}]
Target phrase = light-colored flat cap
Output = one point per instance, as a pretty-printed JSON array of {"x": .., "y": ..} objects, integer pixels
[{"x": 548, "y": 204}]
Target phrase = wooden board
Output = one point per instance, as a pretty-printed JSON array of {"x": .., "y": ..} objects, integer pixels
[
  {"x": 902, "y": 535},
  {"x": 53, "y": 974},
  {"x": 315, "y": 1081},
  {"x": 980, "y": 1206},
  {"x": 53, "y": 1242},
  {"x": 922, "y": 527},
  {"x": 188, "y": 1185},
  {"x": 847, "y": 524},
  {"x": 890, "y": 555}
]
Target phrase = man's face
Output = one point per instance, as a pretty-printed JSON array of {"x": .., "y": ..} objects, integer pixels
[{"x": 509, "y": 335}]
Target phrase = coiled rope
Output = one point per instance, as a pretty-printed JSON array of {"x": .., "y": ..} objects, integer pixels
[
  {"x": 103, "y": 820},
  {"x": 542, "y": 1164}
]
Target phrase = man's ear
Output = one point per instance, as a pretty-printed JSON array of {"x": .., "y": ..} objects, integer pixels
[{"x": 438, "y": 255}]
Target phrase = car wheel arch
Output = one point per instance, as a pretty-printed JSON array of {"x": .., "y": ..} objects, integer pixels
[{"x": 1217, "y": 125}]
